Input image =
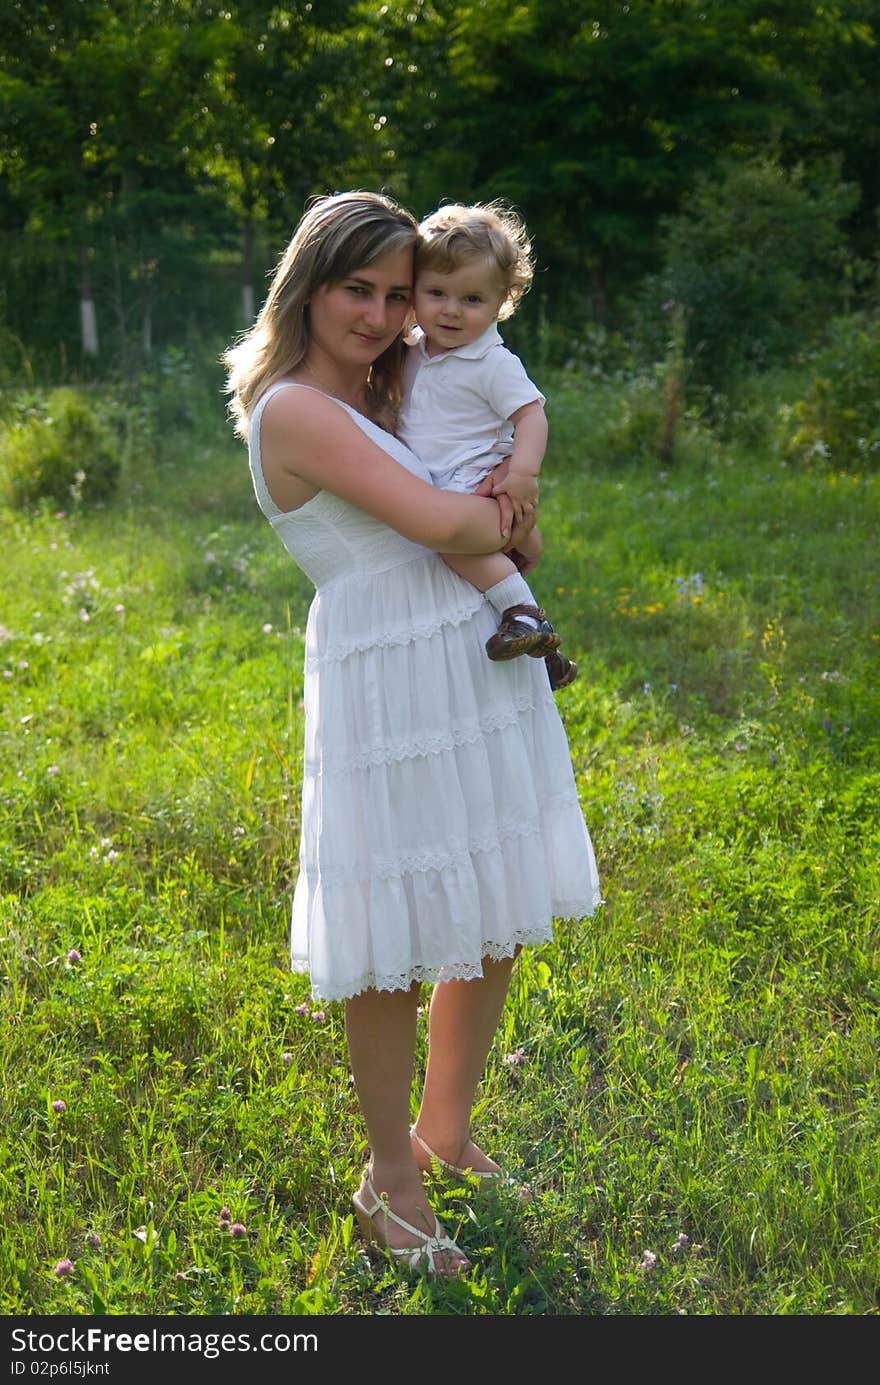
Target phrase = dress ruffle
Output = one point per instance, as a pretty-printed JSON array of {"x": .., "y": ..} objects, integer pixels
[{"x": 440, "y": 817}]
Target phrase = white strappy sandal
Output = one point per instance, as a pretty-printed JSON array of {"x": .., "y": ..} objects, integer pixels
[
  {"x": 421, "y": 1256},
  {"x": 486, "y": 1177}
]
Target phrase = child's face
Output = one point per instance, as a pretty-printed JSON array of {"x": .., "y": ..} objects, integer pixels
[{"x": 455, "y": 308}]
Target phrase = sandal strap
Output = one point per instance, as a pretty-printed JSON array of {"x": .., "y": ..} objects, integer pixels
[
  {"x": 439, "y": 1240},
  {"x": 524, "y": 609},
  {"x": 430, "y": 1153},
  {"x": 483, "y": 1175}
]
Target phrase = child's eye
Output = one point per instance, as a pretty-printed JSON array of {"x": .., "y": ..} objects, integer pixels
[{"x": 474, "y": 298}]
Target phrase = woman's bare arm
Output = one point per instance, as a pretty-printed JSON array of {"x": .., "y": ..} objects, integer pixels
[{"x": 309, "y": 443}]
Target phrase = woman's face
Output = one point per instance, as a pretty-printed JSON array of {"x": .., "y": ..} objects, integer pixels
[{"x": 354, "y": 321}]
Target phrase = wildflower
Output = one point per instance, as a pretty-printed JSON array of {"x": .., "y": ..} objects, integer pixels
[
  {"x": 238, "y": 1229},
  {"x": 74, "y": 956},
  {"x": 93, "y": 1240},
  {"x": 646, "y": 688},
  {"x": 680, "y": 1241},
  {"x": 62, "y": 1268},
  {"x": 84, "y": 617},
  {"x": 59, "y": 1105},
  {"x": 318, "y": 1015},
  {"x": 225, "y": 1217},
  {"x": 649, "y": 1260},
  {"x": 287, "y": 1058},
  {"x": 53, "y": 769},
  {"x": 827, "y": 726},
  {"x": 267, "y": 628},
  {"x": 302, "y": 1009},
  {"x": 515, "y": 1058}
]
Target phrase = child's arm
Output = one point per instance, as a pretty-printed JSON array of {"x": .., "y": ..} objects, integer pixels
[{"x": 520, "y": 484}]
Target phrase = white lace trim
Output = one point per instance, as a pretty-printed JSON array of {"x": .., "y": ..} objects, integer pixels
[
  {"x": 416, "y": 863},
  {"x": 434, "y": 743},
  {"x": 426, "y": 975},
  {"x": 406, "y": 634}
]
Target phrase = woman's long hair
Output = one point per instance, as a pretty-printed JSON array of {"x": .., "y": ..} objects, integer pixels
[{"x": 336, "y": 235}]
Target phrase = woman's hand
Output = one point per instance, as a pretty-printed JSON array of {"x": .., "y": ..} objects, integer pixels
[
  {"x": 523, "y": 516},
  {"x": 522, "y": 492}
]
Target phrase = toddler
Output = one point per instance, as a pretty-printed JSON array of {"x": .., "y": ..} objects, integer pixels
[{"x": 468, "y": 404}]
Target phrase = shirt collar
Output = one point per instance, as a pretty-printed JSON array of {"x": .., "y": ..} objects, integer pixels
[{"x": 474, "y": 350}]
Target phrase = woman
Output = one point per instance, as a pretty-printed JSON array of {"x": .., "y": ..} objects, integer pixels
[{"x": 441, "y": 829}]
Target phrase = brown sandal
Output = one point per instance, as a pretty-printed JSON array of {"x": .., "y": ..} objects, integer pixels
[
  {"x": 560, "y": 670},
  {"x": 515, "y": 637}
]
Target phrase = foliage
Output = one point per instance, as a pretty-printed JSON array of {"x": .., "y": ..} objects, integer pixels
[
  {"x": 689, "y": 1083},
  {"x": 756, "y": 259},
  {"x": 837, "y": 422},
  {"x": 597, "y": 120},
  {"x": 154, "y": 158},
  {"x": 58, "y": 448}
]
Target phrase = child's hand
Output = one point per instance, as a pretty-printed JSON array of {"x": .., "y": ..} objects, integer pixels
[{"x": 522, "y": 491}]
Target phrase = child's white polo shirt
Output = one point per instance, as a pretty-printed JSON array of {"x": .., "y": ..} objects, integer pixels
[{"x": 457, "y": 406}]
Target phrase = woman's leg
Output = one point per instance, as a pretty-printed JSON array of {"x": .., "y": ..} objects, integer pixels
[
  {"x": 464, "y": 1017},
  {"x": 381, "y": 1032}
]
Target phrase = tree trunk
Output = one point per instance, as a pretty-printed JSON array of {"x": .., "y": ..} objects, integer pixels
[
  {"x": 88, "y": 319},
  {"x": 147, "y": 326},
  {"x": 247, "y": 271}
]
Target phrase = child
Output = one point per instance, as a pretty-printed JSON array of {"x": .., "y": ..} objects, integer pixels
[{"x": 468, "y": 403}]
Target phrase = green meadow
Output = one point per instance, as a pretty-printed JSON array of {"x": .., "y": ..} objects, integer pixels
[{"x": 688, "y": 1081}]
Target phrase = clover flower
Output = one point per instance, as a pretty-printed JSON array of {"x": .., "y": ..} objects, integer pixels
[
  {"x": 62, "y": 1268},
  {"x": 59, "y": 1105}
]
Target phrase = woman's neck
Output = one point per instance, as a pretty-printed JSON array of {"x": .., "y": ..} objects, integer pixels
[{"x": 325, "y": 375}]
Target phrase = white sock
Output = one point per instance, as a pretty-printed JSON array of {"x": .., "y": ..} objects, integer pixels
[{"x": 511, "y": 591}]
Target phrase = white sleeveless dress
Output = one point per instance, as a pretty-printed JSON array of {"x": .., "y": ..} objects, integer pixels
[{"x": 440, "y": 816}]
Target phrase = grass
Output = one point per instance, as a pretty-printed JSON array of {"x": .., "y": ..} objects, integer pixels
[{"x": 689, "y": 1081}]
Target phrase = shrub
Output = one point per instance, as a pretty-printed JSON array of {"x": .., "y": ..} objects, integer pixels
[
  {"x": 757, "y": 259},
  {"x": 60, "y": 450},
  {"x": 837, "y": 423}
]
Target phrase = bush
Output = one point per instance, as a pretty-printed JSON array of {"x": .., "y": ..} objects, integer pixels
[
  {"x": 757, "y": 260},
  {"x": 58, "y": 449},
  {"x": 837, "y": 423}
]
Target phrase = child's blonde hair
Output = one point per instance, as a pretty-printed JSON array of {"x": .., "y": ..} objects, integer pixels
[{"x": 455, "y": 234}]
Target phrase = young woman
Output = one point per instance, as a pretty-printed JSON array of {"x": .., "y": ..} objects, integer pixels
[{"x": 441, "y": 828}]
